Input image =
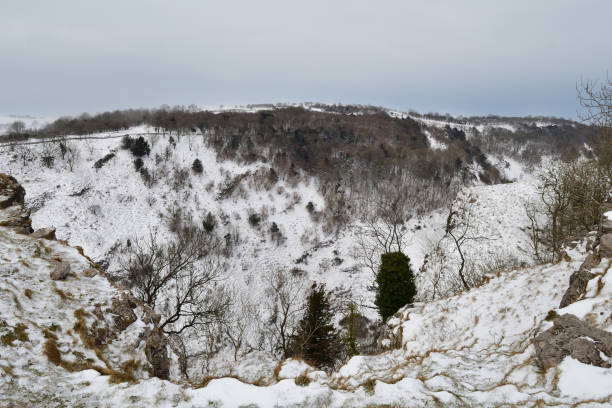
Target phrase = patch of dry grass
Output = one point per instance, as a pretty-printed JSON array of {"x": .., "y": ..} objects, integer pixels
[
  {"x": 52, "y": 352},
  {"x": 18, "y": 333}
]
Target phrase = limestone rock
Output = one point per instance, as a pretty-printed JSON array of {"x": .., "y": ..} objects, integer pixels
[
  {"x": 46, "y": 233},
  {"x": 570, "y": 336},
  {"x": 11, "y": 192},
  {"x": 122, "y": 312},
  {"x": 156, "y": 351},
  {"x": 61, "y": 271},
  {"x": 605, "y": 246},
  {"x": 579, "y": 280},
  {"x": 90, "y": 272},
  {"x": 14, "y": 215}
]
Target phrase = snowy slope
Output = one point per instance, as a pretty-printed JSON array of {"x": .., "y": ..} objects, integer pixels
[
  {"x": 36, "y": 311},
  {"x": 100, "y": 209},
  {"x": 471, "y": 349},
  {"x": 474, "y": 349}
]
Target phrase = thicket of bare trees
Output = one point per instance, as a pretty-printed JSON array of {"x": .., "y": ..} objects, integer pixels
[{"x": 571, "y": 192}]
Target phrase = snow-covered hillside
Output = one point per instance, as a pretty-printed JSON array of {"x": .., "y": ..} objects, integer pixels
[
  {"x": 468, "y": 349},
  {"x": 101, "y": 209},
  {"x": 473, "y": 349}
]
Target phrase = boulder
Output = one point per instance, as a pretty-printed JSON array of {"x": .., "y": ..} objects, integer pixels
[
  {"x": 606, "y": 225},
  {"x": 11, "y": 192},
  {"x": 46, "y": 233},
  {"x": 90, "y": 272},
  {"x": 61, "y": 271},
  {"x": 605, "y": 246},
  {"x": 156, "y": 351},
  {"x": 16, "y": 218},
  {"x": 122, "y": 312},
  {"x": 570, "y": 336},
  {"x": 579, "y": 280}
]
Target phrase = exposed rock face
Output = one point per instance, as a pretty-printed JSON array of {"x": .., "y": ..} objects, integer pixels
[
  {"x": 122, "y": 310},
  {"x": 570, "y": 336},
  {"x": 390, "y": 334},
  {"x": 605, "y": 246},
  {"x": 156, "y": 351},
  {"x": 14, "y": 215},
  {"x": 579, "y": 280},
  {"x": 61, "y": 271},
  {"x": 11, "y": 192},
  {"x": 115, "y": 314}
]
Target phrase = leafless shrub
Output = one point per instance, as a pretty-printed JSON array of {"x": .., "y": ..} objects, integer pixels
[{"x": 179, "y": 278}]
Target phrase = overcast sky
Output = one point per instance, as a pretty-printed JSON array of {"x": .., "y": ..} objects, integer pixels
[{"x": 512, "y": 57}]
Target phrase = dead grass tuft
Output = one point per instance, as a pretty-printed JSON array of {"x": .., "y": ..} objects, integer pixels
[
  {"x": 302, "y": 380},
  {"x": 52, "y": 352},
  {"x": 28, "y": 293},
  {"x": 18, "y": 333},
  {"x": 126, "y": 374},
  {"x": 369, "y": 385}
]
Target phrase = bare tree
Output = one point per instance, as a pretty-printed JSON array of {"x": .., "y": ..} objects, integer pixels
[
  {"x": 24, "y": 153},
  {"x": 435, "y": 269},
  {"x": 71, "y": 155},
  {"x": 536, "y": 232},
  {"x": 596, "y": 99},
  {"x": 179, "y": 278},
  {"x": 391, "y": 212},
  {"x": 284, "y": 303},
  {"x": 460, "y": 228},
  {"x": 17, "y": 127},
  {"x": 384, "y": 230},
  {"x": 240, "y": 325},
  {"x": 555, "y": 196},
  {"x": 48, "y": 153}
]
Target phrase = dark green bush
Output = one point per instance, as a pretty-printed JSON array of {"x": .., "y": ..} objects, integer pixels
[
  {"x": 197, "y": 166},
  {"x": 254, "y": 219},
  {"x": 140, "y": 147},
  {"x": 395, "y": 282}
]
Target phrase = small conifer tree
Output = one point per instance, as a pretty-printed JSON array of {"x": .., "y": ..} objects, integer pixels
[
  {"x": 395, "y": 282},
  {"x": 350, "y": 338},
  {"x": 316, "y": 340},
  {"x": 209, "y": 222},
  {"x": 140, "y": 147},
  {"x": 197, "y": 166}
]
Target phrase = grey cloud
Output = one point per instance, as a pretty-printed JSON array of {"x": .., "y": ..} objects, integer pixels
[{"x": 470, "y": 57}]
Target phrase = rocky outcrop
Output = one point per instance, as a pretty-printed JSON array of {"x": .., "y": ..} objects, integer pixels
[
  {"x": 570, "y": 336},
  {"x": 390, "y": 334},
  {"x": 61, "y": 271},
  {"x": 108, "y": 326},
  {"x": 46, "y": 233},
  {"x": 11, "y": 192},
  {"x": 605, "y": 232},
  {"x": 122, "y": 311},
  {"x": 156, "y": 350},
  {"x": 579, "y": 280},
  {"x": 13, "y": 214},
  {"x": 113, "y": 320}
]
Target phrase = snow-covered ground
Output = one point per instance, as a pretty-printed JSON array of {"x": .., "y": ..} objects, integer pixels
[{"x": 474, "y": 349}]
